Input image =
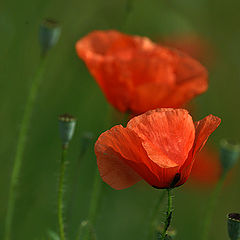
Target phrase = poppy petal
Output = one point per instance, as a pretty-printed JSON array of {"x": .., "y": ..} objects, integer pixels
[
  {"x": 191, "y": 80},
  {"x": 167, "y": 135},
  {"x": 204, "y": 128},
  {"x": 127, "y": 149},
  {"x": 113, "y": 170}
]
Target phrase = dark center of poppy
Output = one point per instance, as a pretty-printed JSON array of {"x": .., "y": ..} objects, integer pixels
[{"x": 175, "y": 180}]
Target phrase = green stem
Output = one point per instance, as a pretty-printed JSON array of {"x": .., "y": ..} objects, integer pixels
[
  {"x": 25, "y": 122},
  {"x": 169, "y": 215},
  {"x": 60, "y": 194},
  {"x": 211, "y": 206},
  {"x": 154, "y": 216},
  {"x": 93, "y": 205},
  {"x": 128, "y": 10}
]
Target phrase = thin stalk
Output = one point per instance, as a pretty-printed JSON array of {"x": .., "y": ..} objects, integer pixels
[
  {"x": 21, "y": 142},
  {"x": 211, "y": 206},
  {"x": 154, "y": 216},
  {"x": 169, "y": 215},
  {"x": 128, "y": 11},
  {"x": 60, "y": 194},
  {"x": 94, "y": 204}
]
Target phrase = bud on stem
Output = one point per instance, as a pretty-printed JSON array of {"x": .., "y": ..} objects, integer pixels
[
  {"x": 49, "y": 33},
  {"x": 229, "y": 154},
  {"x": 67, "y": 125}
]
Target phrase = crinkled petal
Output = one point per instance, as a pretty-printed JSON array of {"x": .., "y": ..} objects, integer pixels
[{"x": 167, "y": 135}]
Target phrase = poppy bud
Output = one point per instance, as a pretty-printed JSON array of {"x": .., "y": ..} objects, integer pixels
[
  {"x": 49, "y": 33},
  {"x": 234, "y": 226},
  {"x": 229, "y": 154},
  {"x": 66, "y": 127}
]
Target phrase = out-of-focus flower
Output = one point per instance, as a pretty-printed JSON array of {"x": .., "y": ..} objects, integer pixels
[
  {"x": 158, "y": 146},
  {"x": 192, "y": 44},
  {"x": 137, "y": 75},
  {"x": 207, "y": 169}
]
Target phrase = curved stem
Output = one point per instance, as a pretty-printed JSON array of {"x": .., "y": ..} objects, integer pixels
[
  {"x": 60, "y": 194},
  {"x": 154, "y": 216},
  {"x": 96, "y": 193},
  {"x": 211, "y": 206},
  {"x": 169, "y": 215},
  {"x": 25, "y": 122}
]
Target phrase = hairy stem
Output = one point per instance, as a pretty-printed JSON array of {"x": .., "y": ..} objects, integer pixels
[
  {"x": 169, "y": 215},
  {"x": 96, "y": 193},
  {"x": 154, "y": 216},
  {"x": 60, "y": 194},
  {"x": 21, "y": 142}
]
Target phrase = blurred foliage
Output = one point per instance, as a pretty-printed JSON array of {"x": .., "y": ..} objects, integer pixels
[{"x": 68, "y": 87}]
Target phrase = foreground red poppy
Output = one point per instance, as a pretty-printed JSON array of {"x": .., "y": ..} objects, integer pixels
[
  {"x": 158, "y": 146},
  {"x": 137, "y": 75}
]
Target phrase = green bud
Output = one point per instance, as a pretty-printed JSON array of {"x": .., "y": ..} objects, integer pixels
[
  {"x": 229, "y": 154},
  {"x": 234, "y": 226},
  {"x": 49, "y": 33},
  {"x": 67, "y": 125}
]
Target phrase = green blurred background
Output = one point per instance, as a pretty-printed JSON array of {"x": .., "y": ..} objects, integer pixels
[{"x": 68, "y": 87}]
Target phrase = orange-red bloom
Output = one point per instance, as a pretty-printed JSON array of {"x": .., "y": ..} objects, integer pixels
[
  {"x": 158, "y": 146},
  {"x": 137, "y": 75}
]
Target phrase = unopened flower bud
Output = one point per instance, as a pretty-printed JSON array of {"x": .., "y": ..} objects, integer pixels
[
  {"x": 49, "y": 33},
  {"x": 66, "y": 127},
  {"x": 234, "y": 226},
  {"x": 229, "y": 154}
]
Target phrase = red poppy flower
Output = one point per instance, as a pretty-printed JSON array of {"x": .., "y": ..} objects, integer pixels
[
  {"x": 158, "y": 146},
  {"x": 137, "y": 75}
]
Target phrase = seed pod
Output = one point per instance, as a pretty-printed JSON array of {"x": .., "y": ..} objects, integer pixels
[
  {"x": 67, "y": 125},
  {"x": 49, "y": 33},
  {"x": 234, "y": 226}
]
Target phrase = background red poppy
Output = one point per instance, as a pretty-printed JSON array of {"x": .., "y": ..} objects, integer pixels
[{"x": 137, "y": 75}]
